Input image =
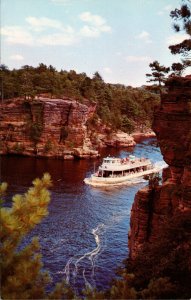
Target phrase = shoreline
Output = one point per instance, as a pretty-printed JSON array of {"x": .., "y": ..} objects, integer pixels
[{"x": 78, "y": 154}]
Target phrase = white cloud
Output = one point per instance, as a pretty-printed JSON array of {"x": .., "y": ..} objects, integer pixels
[
  {"x": 107, "y": 70},
  {"x": 132, "y": 58},
  {"x": 176, "y": 38},
  {"x": 33, "y": 34},
  {"x": 168, "y": 7},
  {"x": 144, "y": 36},
  {"x": 17, "y": 57},
  {"x": 58, "y": 39},
  {"x": 96, "y": 25},
  {"x": 17, "y": 35},
  {"x": 39, "y": 24},
  {"x": 88, "y": 31},
  {"x": 165, "y": 9},
  {"x": 92, "y": 19}
]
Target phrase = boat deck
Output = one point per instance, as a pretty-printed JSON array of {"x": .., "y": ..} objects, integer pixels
[{"x": 124, "y": 165}]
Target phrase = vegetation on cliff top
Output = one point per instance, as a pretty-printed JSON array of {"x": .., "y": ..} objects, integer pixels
[{"x": 118, "y": 106}]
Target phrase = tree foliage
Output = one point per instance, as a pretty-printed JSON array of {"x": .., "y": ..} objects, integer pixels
[
  {"x": 182, "y": 22},
  {"x": 118, "y": 106},
  {"x": 158, "y": 73},
  {"x": 21, "y": 267}
]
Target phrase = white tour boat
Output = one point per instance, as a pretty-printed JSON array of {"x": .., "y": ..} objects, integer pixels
[{"x": 116, "y": 170}]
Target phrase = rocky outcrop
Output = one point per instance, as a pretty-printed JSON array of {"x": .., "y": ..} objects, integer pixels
[
  {"x": 154, "y": 206},
  {"x": 46, "y": 127},
  {"x": 119, "y": 139},
  {"x": 138, "y": 136}
]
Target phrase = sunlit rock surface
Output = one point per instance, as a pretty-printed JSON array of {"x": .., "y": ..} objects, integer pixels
[
  {"x": 153, "y": 207},
  {"x": 46, "y": 127}
]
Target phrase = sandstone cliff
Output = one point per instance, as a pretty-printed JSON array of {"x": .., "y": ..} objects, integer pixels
[
  {"x": 153, "y": 206},
  {"x": 46, "y": 127}
]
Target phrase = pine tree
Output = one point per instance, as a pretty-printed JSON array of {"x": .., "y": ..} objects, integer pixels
[
  {"x": 21, "y": 270},
  {"x": 179, "y": 68},
  {"x": 158, "y": 73},
  {"x": 182, "y": 18},
  {"x": 182, "y": 22}
]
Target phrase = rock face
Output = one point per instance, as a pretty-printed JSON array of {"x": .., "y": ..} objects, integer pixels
[
  {"x": 138, "y": 136},
  {"x": 120, "y": 139},
  {"x": 46, "y": 127},
  {"x": 153, "y": 206}
]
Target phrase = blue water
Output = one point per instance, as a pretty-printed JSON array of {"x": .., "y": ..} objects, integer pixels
[{"x": 84, "y": 238}]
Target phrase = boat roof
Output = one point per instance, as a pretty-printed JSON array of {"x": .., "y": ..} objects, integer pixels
[
  {"x": 112, "y": 158},
  {"x": 124, "y": 167},
  {"x": 122, "y": 164}
]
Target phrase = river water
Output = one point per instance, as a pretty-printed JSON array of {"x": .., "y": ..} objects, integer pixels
[{"x": 84, "y": 238}]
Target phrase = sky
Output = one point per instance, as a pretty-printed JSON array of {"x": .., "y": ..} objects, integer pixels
[{"x": 117, "y": 38}]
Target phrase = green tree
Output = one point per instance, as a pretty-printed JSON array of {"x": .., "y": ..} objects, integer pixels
[
  {"x": 26, "y": 83},
  {"x": 182, "y": 18},
  {"x": 127, "y": 125},
  {"x": 97, "y": 76},
  {"x": 3, "y": 188},
  {"x": 158, "y": 73},
  {"x": 114, "y": 102},
  {"x": 177, "y": 69},
  {"x": 21, "y": 270}
]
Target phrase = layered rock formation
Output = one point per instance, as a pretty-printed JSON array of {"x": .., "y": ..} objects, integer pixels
[
  {"x": 46, "y": 127},
  {"x": 153, "y": 206},
  {"x": 138, "y": 136},
  {"x": 119, "y": 139}
]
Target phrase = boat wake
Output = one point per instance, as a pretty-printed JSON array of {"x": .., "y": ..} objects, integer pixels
[
  {"x": 160, "y": 165},
  {"x": 83, "y": 267},
  {"x": 80, "y": 265}
]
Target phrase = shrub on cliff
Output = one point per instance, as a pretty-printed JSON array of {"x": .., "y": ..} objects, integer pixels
[{"x": 21, "y": 270}]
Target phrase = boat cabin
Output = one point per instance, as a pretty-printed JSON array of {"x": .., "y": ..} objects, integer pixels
[
  {"x": 111, "y": 160},
  {"x": 118, "y": 167}
]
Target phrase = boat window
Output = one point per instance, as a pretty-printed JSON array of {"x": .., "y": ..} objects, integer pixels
[{"x": 107, "y": 174}]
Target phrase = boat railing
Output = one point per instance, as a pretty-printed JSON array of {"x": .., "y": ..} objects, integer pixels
[{"x": 126, "y": 162}]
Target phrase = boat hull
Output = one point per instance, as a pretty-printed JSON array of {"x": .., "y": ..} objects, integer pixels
[{"x": 102, "y": 181}]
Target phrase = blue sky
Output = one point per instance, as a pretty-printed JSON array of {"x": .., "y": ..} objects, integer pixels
[{"x": 117, "y": 38}]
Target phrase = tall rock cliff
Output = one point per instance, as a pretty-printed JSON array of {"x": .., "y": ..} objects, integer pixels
[
  {"x": 153, "y": 207},
  {"x": 62, "y": 128},
  {"x": 46, "y": 127}
]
